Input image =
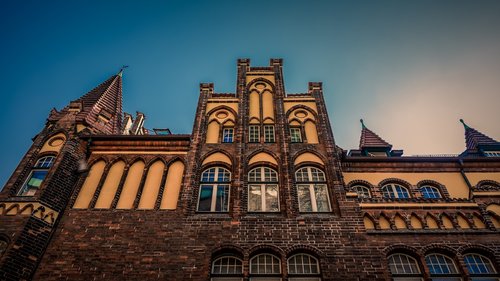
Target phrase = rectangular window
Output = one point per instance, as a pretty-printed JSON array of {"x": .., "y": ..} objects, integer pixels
[
  {"x": 492, "y": 153},
  {"x": 269, "y": 133},
  {"x": 253, "y": 133},
  {"x": 214, "y": 198},
  {"x": 295, "y": 134},
  {"x": 33, "y": 183},
  {"x": 313, "y": 198},
  {"x": 263, "y": 198},
  {"x": 227, "y": 134}
]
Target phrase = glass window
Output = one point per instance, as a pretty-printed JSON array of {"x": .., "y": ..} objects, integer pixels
[
  {"x": 37, "y": 175},
  {"x": 265, "y": 264},
  {"x": 479, "y": 266},
  {"x": 253, "y": 133},
  {"x": 227, "y": 265},
  {"x": 295, "y": 134},
  {"x": 430, "y": 192},
  {"x": 492, "y": 153},
  {"x": 263, "y": 190},
  {"x": 404, "y": 267},
  {"x": 395, "y": 191},
  {"x": 303, "y": 264},
  {"x": 312, "y": 190},
  {"x": 214, "y": 190},
  {"x": 269, "y": 133},
  {"x": 362, "y": 191},
  {"x": 442, "y": 267},
  {"x": 227, "y": 134}
]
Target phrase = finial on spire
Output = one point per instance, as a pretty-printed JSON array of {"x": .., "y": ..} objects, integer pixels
[
  {"x": 362, "y": 123},
  {"x": 120, "y": 73},
  {"x": 465, "y": 125}
]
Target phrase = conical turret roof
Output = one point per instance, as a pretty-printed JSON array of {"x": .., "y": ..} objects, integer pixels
[
  {"x": 474, "y": 138},
  {"x": 371, "y": 140}
]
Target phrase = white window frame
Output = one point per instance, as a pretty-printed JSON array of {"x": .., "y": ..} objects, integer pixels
[
  {"x": 263, "y": 183},
  {"x": 229, "y": 130},
  {"x": 442, "y": 262},
  {"x": 299, "y": 135},
  {"x": 311, "y": 183},
  {"x": 362, "y": 191},
  {"x": 273, "y": 260},
  {"x": 485, "y": 262},
  {"x": 254, "y": 133},
  {"x": 269, "y": 134},
  {"x": 43, "y": 164},
  {"x": 215, "y": 186},
  {"x": 492, "y": 153},
  {"x": 392, "y": 189},
  {"x": 303, "y": 273},
  {"x": 412, "y": 262},
  {"x": 434, "y": 189}
]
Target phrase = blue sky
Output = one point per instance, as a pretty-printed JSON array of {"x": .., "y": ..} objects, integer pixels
[{"x": 411, "y": 69}]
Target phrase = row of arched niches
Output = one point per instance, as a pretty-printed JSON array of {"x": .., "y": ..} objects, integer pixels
[{"x": 154, "y": 184}]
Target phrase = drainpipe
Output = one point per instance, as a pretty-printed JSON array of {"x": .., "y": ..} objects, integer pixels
[{"x": 462, "y": 172}]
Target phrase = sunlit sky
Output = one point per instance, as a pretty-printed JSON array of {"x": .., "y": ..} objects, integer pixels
[{"x": 410, "y": 69}]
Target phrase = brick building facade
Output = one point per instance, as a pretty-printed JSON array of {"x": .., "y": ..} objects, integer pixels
[{"x": 257, "y": 191}]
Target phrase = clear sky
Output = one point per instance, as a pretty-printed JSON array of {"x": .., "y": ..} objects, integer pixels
[{"x": 411, "y": 69}]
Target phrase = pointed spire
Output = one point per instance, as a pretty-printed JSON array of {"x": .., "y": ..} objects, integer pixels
[
  {"x": 371, "y": 140},
  {"x": 120, "y": 73},
  {"x": 474, "y": 138}
]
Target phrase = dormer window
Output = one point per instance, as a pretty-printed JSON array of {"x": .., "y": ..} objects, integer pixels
[
  {"x": 376, "y": 153},
  {"x": 492, "y": 153}
]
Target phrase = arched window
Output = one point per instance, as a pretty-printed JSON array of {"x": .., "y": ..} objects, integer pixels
[
  {"x": 37, "y": 175},
  {"x": 404, "y": 267},
  {"x": 214, "y": 190},
  {"x": 442, "y": 266},
  {"x": 480, "y": 268},
  {"x": 303, "y": 267},
  {"x": 430, "y": 192},
  {"x": 393, "y": 190},
  {"x": 312, "y": 190},
  {"x": 362, "y": 191},
  {"x": 265, "y": 267},
  {"x": 263, "y": 191},
  {"x": 227, "y": 268}
]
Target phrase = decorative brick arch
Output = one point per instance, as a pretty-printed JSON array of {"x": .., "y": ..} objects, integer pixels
[
  {"x": 492, "y": 183},
  {"x": 224, "y": 107},
  {"x": 217, "y": 150},
  {"x": 260, "y": 79},
  {"x": 303, "y": 248},
  {"x": 403, "y": 249},
  {"x": 304, "y": 107},
  {"x": 439, "y": 248},
  {"x": 364, "y": 183},
  {"x": 227, "y": 248},
  {"x": 312, "y": 151},
  {"x": 262, "y": 150},
  {"x": 442, "y": 188},
  {"x": 266, "y": 248}
]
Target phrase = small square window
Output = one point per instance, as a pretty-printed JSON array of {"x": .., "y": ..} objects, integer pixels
[{"x": 227, "y": 135}]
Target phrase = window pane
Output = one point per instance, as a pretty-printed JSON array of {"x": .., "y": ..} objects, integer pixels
[
  {"x": 223, "y": 175},
  {"x": 295, "y": 135},
  {"x": 303, "y": 264},
  {"x": 430, "y": 192},
  {"x": 227, "y": 265},
  {"x": 222, "y": 200},
  {"x": 208, "y": 175},
  {"x": 403, "y": 264},
  {"x": 45, "y": 162},
  {"x": 362, "y": 191},
  {"x": 270, "y": 175},
  {"x": 254, "y": 198},
  {"x": 265, "y": 264},
  {"x": 304, "y": 196},
  {"x": 478, "y": 264},
  {"x": 272, "y": 203},
  {"x": 440, "y": 264},
  {"x": 255, "y": 175},
  {"x": 205, "y": 198},
  {"x": 302, "y": 175},
  {"x": 253, "y": 134},
  {"x": 269, "y": 133},
  {"x": 227, "y": 135},
  {"x": 33, "y": 183},
  {"x": 402, "y": 192},
  {"x": 322, "y": 198},
  {"x": 317, "y": 174}
]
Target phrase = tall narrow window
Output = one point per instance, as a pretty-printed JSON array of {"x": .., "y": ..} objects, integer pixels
[
  {"x": 227, "y": 134},
  {"x": 295, "y": 134},
  {"x": 253, "y": 133},
  {"x": 37, "y": 175},
  {"x": 312, "y": 190},
  {"x": 480, "y": 268},
  {"x": 442, "y": 267},
  {"x": 227, "y": 268},
  {"x": 265, "y": 267},
  {"x": 263, "y": 191},
  {"x": 394, "y": 191},
  {"x": 430, "y": 192},
  {"x": 404, "y": 268},
  {"x": 303, "y": 267},
  {"x": 269, "y": 133},
  {"x": 214, "y": 190}
]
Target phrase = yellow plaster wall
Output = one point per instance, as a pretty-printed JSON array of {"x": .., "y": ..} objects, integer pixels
[
  {"x": 311, "y": 132},
  {"x": 54, "y": 144},
  {"x": 462, "y": 222},
  {"x": 368, "y": 223},
  {"x": 495, "y": 222},
  {"x": 267, "y": 105},
  {"x": 89, "y": 186},
  {"x": 307, "y": 157},
  {"x": 254, "y": 110},
  {"x": 217, "y": 157},
  {"x": 152, "y": 186},
  {"x": 399, "y": 222},
  {"x": 80, "y": 127},
  {"x": 495, "y": 208},
  {"x": 172, "y": 186},
  {"x": 474, "y": 178},
  {"x": 289, "y": 104},
  {"x": 213, "y": 132},
  {"x": 211, "y": 104},
  {"x": 447, "y": 222},
  {"x": 110, "y": 186},
  {"x": 262, "y": 157},
  {"x": 384, "y": 223},
  {"x": 431, "y": 222},
  {"x": 415, "y": 222},
  {"x": 455, "y": 184},
  {"x": 478, "y": 222},
  {"x": 131, "y": 185}
]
